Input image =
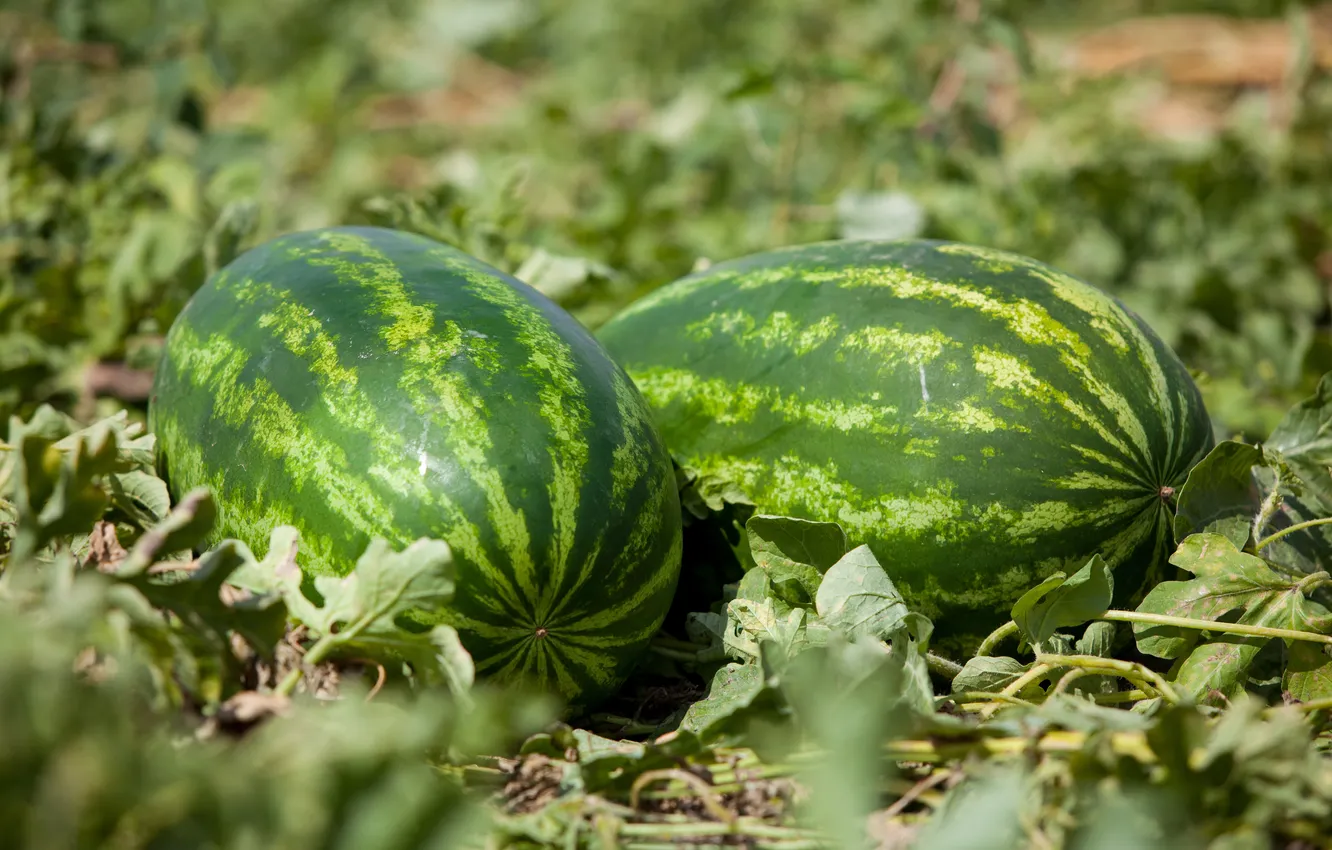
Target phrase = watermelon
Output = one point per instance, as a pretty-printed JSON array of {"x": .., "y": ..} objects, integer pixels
[
  {"x": 978, "y": 418},
  {"x": 362, "y": 382}
]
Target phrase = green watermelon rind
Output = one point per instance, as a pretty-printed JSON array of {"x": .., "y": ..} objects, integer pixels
[
  {"x": 361, "y": 382},
  {"x": 979, "y": 418}
]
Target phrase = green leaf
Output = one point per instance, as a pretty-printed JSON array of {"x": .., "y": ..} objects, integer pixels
[
  {"x": 1304, "y": 438},
  {"x": 360, "y": 611},
  {"x": 991, "y": 674},
  {"x": 850, "y": 697},
  {"x": 273, "y": 573},
  {"x": 857, "y": 597},
  {"x": 197, "y": 599},
  {"x": 186, "y": 526},
  {"x": 907, "y": 666},
  {"x": 452, "y": 659},
  {"x": 734, "y": 689},
  {"x": 751, "y": 623},
  {"x": 1218, "y": 667},
  {"x": 704, "y": 495},
  {"x": 1220, "y": 494},
  {"x": 795, "y": 584},
  {"x": 1225, "y": 580},
  {"x": 1097, "y": 640},
  {"x": 143, "y": 497},
  {"x": 794, "y": 553},
  {"x": 1027, "y": 600},
  {"x": 1308, "y": 674},
  {"x": 1058, "y": 602},
  {"x": 59, "y": 481},
  {"x": 707, "y": 628},
  {"x": 784, "y": 541},
  {"x": 382, "y": 586}
]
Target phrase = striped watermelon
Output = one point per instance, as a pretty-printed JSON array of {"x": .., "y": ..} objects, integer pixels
[
  {"x": 360, "y": 382},
  {"x": 978, "y": 418}
]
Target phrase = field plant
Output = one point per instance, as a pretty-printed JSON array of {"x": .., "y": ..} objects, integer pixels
[{"x": 159, "y": 688}]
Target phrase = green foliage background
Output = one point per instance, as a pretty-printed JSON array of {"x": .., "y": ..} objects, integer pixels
[
  {"x": 602, "y": 148},
  {"x": 597, "y": 149}
]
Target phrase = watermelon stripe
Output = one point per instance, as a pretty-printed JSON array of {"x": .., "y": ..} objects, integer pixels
[
  {"x": 893, "y": 346},
  {"x": 359, "y": 382},
  {"x": 640, "y": 597},
  {"x": 350, "y": 408},
  {"x": 626, "y": 459},
  {"x": 563, "y": 408},
  {"x": 442, "y": 398},
  {"x": 1106, "y": 316},
  {"x": 216, "y": 364},
  {"x": 1006, "y": 372},
  {"x": 731, "y": 403},
  {"x": 979, "y": 418},
  {"x": 778, "y": 330}
]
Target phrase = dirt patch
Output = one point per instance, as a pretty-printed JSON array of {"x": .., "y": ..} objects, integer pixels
[
  {"x": 533, "y": 783},
  {"x": 322, "y": 680},
  {"x": 764, "y": 799}
]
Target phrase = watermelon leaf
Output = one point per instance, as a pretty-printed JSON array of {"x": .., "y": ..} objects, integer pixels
[
  {"x": 754, "y": 622},
  {"x": 55, "y": 492},
  {"x": 1291, "y": 498},
  {"x": 702, "y": 495},
  {"x": 197, "y": 599},
  {"x": 1225, "y": 581},
  {"x": 781, "y": 541},
  {"x": 1304, "y": 438},
  {"x": 795, "y": 584},
  {"x": 360, "y": 612},
  {"x": 385, "y": 584},
  {"x": 1220, "y": 494},
  {"x": 1308, "y": 674},
  {"x": 990, "y": 674},
  {"x": 734, "y": 688},
  {"x": 141, "y": 495},
  {"x": 186, "y": 526},
  {"x": 1218, "y": 667},
  {"x": 1058, "y": 602},
  {"x": 1097, "y": 640},
  {"x": 858, "y": 598}
]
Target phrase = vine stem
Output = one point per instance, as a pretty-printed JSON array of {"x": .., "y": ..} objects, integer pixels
[
  {"x": 996, "y": 637},
  {"x": 323, "y": 647},
  {"x": 1299, "y": 526},
  {"x": 966, "y": 697},
  {"x": 1266, "y": 511},
  {"x": 944, "y": 667},
  {"x": 1132, "y": 744},
  {"x": 1088, "y": 664},
  {"x": 1137, "y": 695},
  {"x": 1213, "y": 626},
  {"x": 1128, "y": 669},
  {"x": 1068, "y": 678},
  {"x": 1308, "y": 707}
]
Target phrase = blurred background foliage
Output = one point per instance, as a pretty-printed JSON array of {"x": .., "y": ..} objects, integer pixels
[{"x": 1174, "y": 152}]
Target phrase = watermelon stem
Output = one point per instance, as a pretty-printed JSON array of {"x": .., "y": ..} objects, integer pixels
[
  {"x": 996, "y": 637},
  {"x": 1299, "y": 526},
  {"x": 941, "y": 666},
  {"x": 1138, "y": 674},
  {"x": 1132, "y": 744},
  {"x": 1214, "y": 626}
]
